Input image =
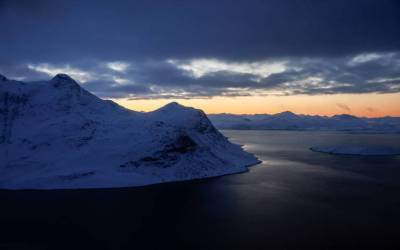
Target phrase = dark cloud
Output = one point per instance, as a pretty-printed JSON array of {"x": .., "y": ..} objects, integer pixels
[
  {"x": 302, "y": 76},
  {"x": 319, "y": 41},
  {"x": 239, "y": 30},
  {"x": 110, "y": 89}
]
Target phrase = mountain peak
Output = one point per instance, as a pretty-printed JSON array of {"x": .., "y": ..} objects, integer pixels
[
  {"x": 172, "y": 106},
  {"x": 62, "y": 76},
  {"x": 286, "y": 114},
  {"x": 345, "y": 116},
  {"x": 64, "y": 81}
]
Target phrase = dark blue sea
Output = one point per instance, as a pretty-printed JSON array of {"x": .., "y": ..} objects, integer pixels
[{"x": 294, "y": 199}]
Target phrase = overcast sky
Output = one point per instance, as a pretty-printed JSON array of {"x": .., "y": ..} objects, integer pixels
[{"x": 201, "y": 49}]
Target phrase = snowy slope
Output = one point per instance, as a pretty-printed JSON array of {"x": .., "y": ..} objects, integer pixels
[
  {"x": 55, "y": 134},
  {"x": 290, "y": 121}
]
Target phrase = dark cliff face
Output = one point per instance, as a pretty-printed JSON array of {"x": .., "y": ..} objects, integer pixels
[
  {"x": 11, "y": 106},
  {"x": 2, "y": 78}
]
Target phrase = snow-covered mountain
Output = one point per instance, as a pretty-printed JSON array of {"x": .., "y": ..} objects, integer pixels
[
  {"x": 290, "y": 121},
  {"x": 55, "y": 134}
]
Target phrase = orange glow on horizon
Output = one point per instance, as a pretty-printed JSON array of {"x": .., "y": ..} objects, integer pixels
[{"x": 367, "y": 105}]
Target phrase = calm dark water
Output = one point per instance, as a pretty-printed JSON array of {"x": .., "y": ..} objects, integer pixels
[{"x": 295, "y": 199}]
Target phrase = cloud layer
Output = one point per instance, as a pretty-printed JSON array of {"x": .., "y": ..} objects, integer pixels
[{"x": 201, "y": 49}]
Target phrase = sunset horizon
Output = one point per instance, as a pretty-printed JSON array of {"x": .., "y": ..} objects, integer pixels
[
  {"x": 200, "y": 124},
  {"x": 380, "y": 105},
  {"x": 371, "y": 105}
]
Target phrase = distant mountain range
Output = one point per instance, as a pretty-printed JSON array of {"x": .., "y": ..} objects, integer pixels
[{"x": 290, "y": 121}]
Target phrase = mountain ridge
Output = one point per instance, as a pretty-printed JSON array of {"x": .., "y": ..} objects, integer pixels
[
  {"x": 297, "y": 114},
  {"x": 55, "y": 134},
  {"x": 291, "y": 121}
]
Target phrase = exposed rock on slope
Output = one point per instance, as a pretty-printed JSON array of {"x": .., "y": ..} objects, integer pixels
[{"x": 55, "y": 134}]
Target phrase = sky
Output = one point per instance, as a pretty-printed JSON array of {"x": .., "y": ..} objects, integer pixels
[{"x": 313, "y": 57}]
